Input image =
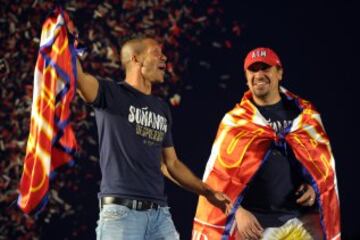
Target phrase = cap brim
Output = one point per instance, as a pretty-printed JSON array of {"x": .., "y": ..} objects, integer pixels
[{"x": 263, "y": 62}]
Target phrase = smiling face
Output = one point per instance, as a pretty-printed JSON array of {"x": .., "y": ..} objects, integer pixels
[
  {"x": 263, "y": 82},
  {"x": 153, "y": 62}
]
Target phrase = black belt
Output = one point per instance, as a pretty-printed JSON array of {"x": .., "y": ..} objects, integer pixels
[{"x": 140, "y": 205}]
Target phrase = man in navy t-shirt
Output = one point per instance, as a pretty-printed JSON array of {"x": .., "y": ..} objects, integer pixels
[{"x": 136, "y": 148}]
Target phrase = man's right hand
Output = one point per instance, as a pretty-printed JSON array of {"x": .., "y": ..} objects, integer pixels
[{"x": 247, "y": 225}]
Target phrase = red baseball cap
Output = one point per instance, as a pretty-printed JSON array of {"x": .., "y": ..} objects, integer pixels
[{"x": 264, "y": 55}]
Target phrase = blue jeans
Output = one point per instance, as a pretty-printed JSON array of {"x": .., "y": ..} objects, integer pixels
[{"x": 118, "y": 222}]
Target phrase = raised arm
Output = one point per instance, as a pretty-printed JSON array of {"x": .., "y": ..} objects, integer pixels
[
  {"x": 182, "y": 176},
  {"x": 87, "y": 85}
]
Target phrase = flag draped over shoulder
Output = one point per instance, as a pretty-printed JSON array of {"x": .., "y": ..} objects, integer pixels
[
  {"x": 242, "y": 145},
  {"x": 51, "y": 142}
]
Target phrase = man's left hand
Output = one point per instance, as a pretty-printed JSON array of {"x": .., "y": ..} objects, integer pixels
[
  {"x": 220, "y": 200},
  {"x": 306, "y": 195}
]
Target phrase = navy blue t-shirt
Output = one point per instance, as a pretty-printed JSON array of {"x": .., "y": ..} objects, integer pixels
[
  {"x": 270, "y": 195},
  {"x": 133, "y": 128}
]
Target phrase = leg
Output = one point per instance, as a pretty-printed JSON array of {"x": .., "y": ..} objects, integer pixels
[
  {"x": 312, "y": 224},
  {"x": 162, "y": 226},
  {"x": 120, "y": 223}
]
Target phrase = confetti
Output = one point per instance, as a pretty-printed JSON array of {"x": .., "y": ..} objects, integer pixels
[
  {"x": 102, "y": 27},
  {"x": 175, "y": 100}
]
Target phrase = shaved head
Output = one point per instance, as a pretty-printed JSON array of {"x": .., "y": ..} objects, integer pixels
[
  {"x": 134, "y": 47},
  {"x": 143, "y": 59}
]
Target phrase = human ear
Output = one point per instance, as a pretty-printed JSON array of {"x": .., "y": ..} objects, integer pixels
[
  {"x": 137, "y": 60},
  {"x": 280, "y": 72}
]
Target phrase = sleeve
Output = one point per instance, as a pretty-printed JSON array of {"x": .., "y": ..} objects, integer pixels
[
  {"x": 168, "y": 140},
  {"x": 105, "y": 95}
]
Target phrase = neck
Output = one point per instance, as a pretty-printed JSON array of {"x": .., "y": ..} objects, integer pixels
[
  {"x": 267, "y": 100},
  {"x": 137, "y": 81}
]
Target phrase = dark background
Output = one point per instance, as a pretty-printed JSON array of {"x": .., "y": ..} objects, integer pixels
[{"x": 318, "y": 49}]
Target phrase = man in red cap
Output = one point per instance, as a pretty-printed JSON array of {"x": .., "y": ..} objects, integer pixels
[{"x": 272, "y": 157}]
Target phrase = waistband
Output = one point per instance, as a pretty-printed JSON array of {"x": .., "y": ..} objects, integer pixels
[{"x": 139, "y": 205}]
